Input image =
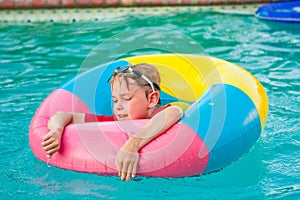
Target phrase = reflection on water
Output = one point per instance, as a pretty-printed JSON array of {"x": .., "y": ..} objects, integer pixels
[{"x": 37, "y": 58}]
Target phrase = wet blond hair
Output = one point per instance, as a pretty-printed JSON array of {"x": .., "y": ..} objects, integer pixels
[{"x": 147, "y": 70}]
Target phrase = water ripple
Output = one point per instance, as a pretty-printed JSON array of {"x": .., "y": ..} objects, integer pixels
[{"x": 37, "y": 58}]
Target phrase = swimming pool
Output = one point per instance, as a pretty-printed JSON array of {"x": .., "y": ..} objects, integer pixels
[{"x": 38, "y": 57}]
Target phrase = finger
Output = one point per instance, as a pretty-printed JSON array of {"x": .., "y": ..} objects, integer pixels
[
  {"x": 51, "y": 152},
  {"x": 119, "y": 166},
  {"x": 129, "y": 172},
  {"x": 124, "y": 171},
  {"x": 48, "y": 139},
  {"x": 47, "y": 136},
  {"x": 51, "y": 146},
  {"x": 47, "y": 142},
  {"x": 134, "y": 169},
  {"x": 123, "y": 175}
]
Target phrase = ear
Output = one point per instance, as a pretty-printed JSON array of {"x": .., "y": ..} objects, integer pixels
[{"x": 153, "y": 99}]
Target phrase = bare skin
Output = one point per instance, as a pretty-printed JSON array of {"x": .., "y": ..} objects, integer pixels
[{"x": 129, "y": 103}]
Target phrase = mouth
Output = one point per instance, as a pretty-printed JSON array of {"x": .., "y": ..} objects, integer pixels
[{"x": 122, "y": 117}]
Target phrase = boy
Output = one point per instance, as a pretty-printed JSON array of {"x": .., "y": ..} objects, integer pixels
[{"x": 135, "y": 94}]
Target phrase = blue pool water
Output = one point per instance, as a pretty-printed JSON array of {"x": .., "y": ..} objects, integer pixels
[{"x": 38, "y": 57}]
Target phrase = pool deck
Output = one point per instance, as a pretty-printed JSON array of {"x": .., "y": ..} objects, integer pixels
[
  {"x": 27, "y": 11},
  {"x": 35, "y": 4}
]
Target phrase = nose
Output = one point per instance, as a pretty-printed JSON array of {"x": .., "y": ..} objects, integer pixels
[{"x": 119, "y": 105}]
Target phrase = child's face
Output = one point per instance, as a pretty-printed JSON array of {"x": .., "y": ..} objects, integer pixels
[{"x": 129, "y": 102}]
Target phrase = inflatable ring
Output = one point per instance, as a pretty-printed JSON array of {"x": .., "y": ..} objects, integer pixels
[
  {"x": 225, "y": 113},
  {"x": 288, "y": 12}
]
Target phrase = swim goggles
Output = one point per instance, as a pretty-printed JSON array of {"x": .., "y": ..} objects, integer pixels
[{"x": 129, "y": 70}]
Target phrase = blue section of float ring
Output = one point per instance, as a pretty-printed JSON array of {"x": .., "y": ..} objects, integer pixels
[
  {"x": 93, "y": 89},
  {"x": 227, "y": 121}
]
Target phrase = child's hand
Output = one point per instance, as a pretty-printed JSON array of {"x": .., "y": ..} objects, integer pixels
[
  {"x": 51, "y": 142},
  {"x": 126, "y": 163}
]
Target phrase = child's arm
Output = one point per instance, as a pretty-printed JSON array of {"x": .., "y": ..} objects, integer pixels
[
  {"x": 127, "y": 158},
  {"x": 56, "y": 124}
]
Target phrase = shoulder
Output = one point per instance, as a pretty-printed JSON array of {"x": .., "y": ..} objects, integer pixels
[{"x": 161, "y": 108}]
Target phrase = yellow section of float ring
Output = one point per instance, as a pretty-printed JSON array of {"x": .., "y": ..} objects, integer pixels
[{"x": 188, "y": 76}]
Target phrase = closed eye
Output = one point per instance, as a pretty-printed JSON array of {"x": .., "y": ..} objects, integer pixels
[
  {"x": 124, "y": 98},
  {"x": 127, "y": 99}
]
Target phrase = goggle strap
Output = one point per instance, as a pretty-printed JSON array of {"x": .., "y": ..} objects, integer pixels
[
  {"x": 150, "y": 82},
  {"x": 132, "y": 71}
]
